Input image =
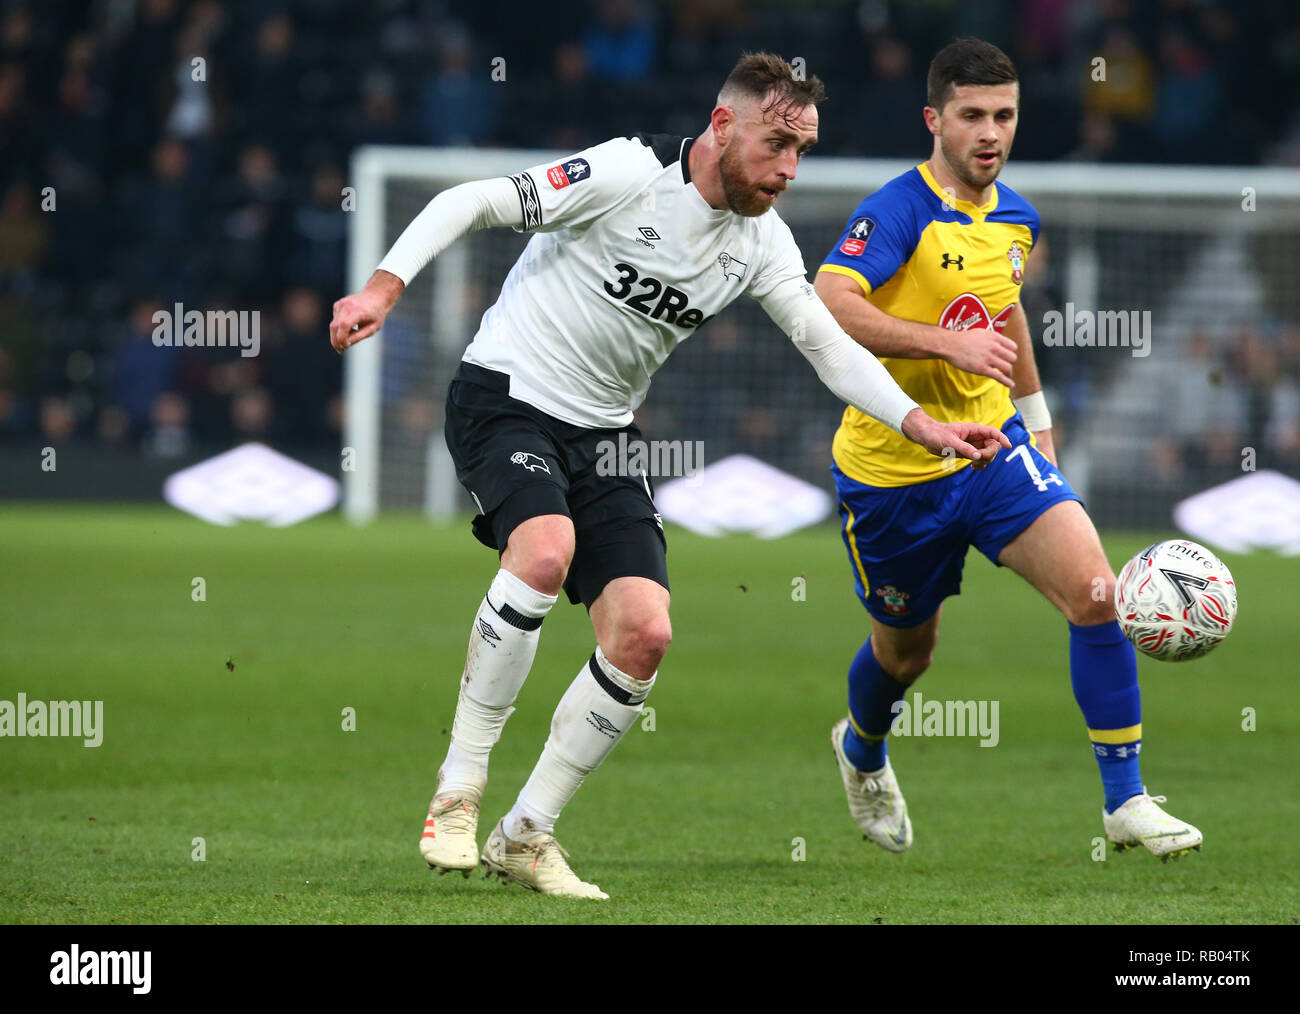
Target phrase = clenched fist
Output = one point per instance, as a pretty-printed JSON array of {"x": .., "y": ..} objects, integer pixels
[{"x": 362, "y": 314}]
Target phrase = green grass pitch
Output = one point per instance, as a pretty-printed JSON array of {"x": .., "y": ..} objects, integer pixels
[{"x": 699, "y": 820}]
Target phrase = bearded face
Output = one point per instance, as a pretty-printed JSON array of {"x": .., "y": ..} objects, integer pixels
[
  {"x": 762, "y": 154},
  {"x": 745, "y": 195},
  {"x": 975, "y": 130},
  {"x": 975, "y": 166}
]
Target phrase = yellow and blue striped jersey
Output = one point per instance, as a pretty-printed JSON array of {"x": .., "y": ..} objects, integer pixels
[{"x": 951, "y": 263}]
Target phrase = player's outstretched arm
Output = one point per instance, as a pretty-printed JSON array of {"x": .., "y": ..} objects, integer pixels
[
  {"x": 978, "y": 350},
  {"x": 858, "y": 378},
  {"x": 451, "y": 214}
]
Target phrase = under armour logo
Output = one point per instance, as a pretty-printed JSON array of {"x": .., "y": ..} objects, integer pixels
[{"x": 953, "y": 260}]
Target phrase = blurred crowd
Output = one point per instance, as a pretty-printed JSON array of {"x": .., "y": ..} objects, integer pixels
[
  {"x": 1230, "y": 410},
  {"x": 155, "y": 152}
]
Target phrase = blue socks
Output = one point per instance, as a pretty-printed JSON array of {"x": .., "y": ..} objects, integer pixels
[
  {"x": 872, "y": 695},
  {"x": 1103, "y": 674}
]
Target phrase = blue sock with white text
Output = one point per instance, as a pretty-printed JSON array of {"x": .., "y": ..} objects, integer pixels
[
  {"x": 872, "y": 695},
  {"x": 1103, "y": 673}
]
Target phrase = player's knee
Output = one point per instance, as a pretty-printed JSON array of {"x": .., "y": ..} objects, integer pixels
[
  {"x": 539, "y": 554},
  {"x": 908, "y": 667},
  {"x": 543, "y": 565},
  {"x": 546, "y": 570},
  {"x": 907, "y": 664},
  {"x": 642, "y": 644},
  {"x": 1091, "y": 602}
]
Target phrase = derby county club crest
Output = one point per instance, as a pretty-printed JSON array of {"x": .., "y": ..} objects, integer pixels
[{"x": 1017, "y": 258}]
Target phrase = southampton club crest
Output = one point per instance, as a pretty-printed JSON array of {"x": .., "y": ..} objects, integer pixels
[
  {"x": 895, "y": 600},
  {"x": 1016, "y": 255}
]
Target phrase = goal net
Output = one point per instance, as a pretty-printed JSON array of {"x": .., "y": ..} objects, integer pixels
[{"x": 1199, "y": 264}]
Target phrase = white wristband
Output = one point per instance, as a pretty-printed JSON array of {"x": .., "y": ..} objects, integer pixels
[{"x": 1034, "y": 409}]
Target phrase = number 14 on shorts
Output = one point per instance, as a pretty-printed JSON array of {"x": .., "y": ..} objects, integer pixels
[{"x": 1022, "y": 452}]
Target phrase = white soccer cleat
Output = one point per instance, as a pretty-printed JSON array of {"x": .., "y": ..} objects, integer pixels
[
  {"x": 449, "y": 842},
  {"x": 875, "y": 802},
  {"x": 538, "y": 863},
  {"x": 1139, "y": 821}
]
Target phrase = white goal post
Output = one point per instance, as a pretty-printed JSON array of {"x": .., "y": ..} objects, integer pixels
[{"x": 1203, "y": 249}]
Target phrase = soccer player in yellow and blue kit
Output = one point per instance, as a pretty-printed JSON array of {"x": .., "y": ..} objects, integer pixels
[{"x": 927, "y": 275}]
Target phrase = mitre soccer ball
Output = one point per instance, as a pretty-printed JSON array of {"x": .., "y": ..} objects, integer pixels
[{"x": 1175, "y": 600}]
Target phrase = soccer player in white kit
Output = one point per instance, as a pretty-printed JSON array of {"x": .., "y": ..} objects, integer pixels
[{"x": 639, "y": 241}]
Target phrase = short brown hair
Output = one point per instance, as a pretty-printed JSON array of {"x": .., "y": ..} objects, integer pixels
[
  {"x": 967, "y": 61},
  {"x": 758, "y": 75}
]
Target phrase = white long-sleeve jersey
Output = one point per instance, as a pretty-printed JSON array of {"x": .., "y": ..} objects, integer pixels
[{"x": 628, "y": 260}]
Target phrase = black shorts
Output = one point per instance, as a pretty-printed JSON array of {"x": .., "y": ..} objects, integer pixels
[{"x": 518, "y": 463}]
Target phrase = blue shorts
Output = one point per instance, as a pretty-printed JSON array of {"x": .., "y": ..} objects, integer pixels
[{"x": 907, "y": 544}]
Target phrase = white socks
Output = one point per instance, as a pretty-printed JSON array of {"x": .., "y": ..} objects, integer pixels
[
  {"x": 502, "y": 646},
  {"x": 599, "y": 706}
]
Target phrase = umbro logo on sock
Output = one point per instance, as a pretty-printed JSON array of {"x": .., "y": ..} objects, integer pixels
[
  {"x": 488, "y": 634},
  {"x": 603, "y": 724}
]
